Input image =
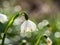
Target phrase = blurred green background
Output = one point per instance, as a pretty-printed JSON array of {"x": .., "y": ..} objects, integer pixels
[{"x": 37, "y": 10}]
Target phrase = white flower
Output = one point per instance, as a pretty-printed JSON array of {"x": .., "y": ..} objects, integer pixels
[
  {"x": 18, "y": 20},
  {"x": 45, "y": 22},
  {"x": 3, "y": 18},
  {"x": 28, "y": 26},
  {"x": 57, "y": 34},
  {"x": 42, "y": 24},
  {"x": 48, "y": 32},
  {"x": 49, "y": 41}
]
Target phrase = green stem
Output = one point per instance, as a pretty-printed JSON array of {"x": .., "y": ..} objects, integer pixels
[
  {"x": 26, "y": 16},
  {"x": 3, "y": 39},
  {"x": 38, "y": 41},
  {"x": 9, "y": 24}
]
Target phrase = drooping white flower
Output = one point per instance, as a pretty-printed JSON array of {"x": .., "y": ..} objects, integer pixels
[
  {"x": 42, "y": 24},
  {"x": 28, "y": 26},
  {"x": 45, "y": 22},
  {"x": 3, "y": 18},
  {"x": 57, "y": 34},
  {"x": 49, "y": 41},
  {"x": 18, "y": 20},
  {"x": 48, "y": 32}
]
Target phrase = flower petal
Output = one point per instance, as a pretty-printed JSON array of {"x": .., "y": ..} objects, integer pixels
[
  {"x": 3, "y": 18},
  {"x": 29, "y": 26}
]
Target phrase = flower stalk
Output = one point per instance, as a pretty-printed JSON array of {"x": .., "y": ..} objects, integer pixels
[
  {"x": 3, "y": 39},
  {"x": 26, "y": 16},
  {"x": 39, "y": 39},
  {"x": 9, "y": 24}
]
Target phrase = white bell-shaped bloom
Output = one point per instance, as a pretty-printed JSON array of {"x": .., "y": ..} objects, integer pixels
[
  {"x": 45, "y": 22},
  {"x": 42, "y": 24},
  {"x": 3, "y": 18},
  {"x": 49, "y": 41},
  {"x": 57, "y": 34},
  {"x": 18, "y": 21},
  {"x": 48, "y": 32},
  {"x": 28, "y": 26}
]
